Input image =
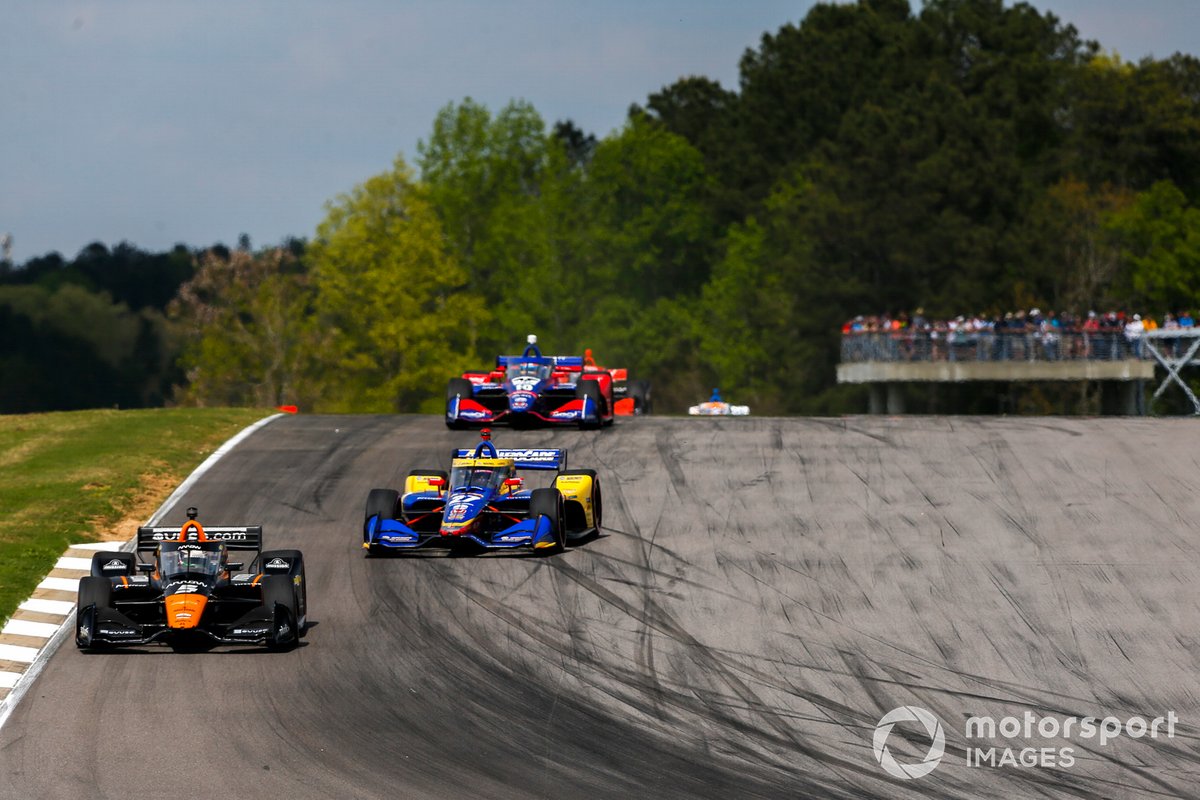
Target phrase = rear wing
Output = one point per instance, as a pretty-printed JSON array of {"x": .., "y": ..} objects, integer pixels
[
  {"x": 243, "y": 538},
  {"x": 531, "y": 458}
]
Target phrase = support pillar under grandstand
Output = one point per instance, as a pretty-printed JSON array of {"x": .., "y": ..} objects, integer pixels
[
  {"x": 895, "y": 398},
  {"x": 874, "y": 398}
]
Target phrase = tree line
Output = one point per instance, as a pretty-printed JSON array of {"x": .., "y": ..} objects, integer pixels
[{"x": 965, "y": 158}]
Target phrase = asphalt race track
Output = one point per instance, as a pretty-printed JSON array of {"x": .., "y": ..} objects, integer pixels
[{"x": 765, "y": 590}]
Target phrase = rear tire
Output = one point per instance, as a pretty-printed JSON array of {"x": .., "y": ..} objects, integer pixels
[
  {"x": 640, "y": 392},
  {"x": 457, "y": 387},
  {"x": 296, "y": 558},
  {"x": 99, "y": 560},
  {"x": 597, "y": 499},
  {"x": 549, "y": 503}
]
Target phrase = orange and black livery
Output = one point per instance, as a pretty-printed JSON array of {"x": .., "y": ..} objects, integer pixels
[{"x": 185, "y": 584}]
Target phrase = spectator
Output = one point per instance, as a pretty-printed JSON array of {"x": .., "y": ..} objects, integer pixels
[{"x": 1133, "y": 334}]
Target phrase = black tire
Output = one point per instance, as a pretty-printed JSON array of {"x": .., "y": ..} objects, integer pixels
[
  {"x": 591, "y": 390},
  {"x": 92, "y": 591},
  {"x": 457, "y": 387},
  {"x": 296, "y": 559},
  {"x": 279, "y": 591},
  {"x": 597, "y": 498},
  {"x": 640, "y": 392},
  {"x": 549, "y": 503},
  {"x": 95, "y": 590},
  {"x": 382, "y": 502},
  {"x": 103, "y": 567}
]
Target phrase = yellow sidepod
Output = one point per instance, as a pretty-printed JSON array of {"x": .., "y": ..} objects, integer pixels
[{"x": 419, "y": 483}]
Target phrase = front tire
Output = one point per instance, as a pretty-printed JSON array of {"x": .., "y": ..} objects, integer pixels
[
  {"x": 590, "y": 391},
  {"x": 457, "y": 388},
  {"x": 549, "y": 503},
  {"x": 381, "y": 503},
  {"x": 95, "y": 594},
  {"x": 279, "y": 598}
]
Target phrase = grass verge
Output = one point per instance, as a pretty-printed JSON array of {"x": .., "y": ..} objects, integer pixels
[{"x": 83, "y": 476}]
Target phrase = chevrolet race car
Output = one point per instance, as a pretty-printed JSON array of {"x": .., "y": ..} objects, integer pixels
[
  {"x": 531, "y": 389},
  {"x": 630, "y": 398},
  {"x": 481, "y": 506},
  {"x": 191, "y": 591}
]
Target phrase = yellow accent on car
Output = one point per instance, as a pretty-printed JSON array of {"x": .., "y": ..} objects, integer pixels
[
  {"x": 541, "y": 545},
  {"x": 419, "y": 483},
  {"x": 482, "y": 462},
  {"x": 578, "y": 489}
]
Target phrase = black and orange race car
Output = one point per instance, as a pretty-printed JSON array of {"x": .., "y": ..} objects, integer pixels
[{"x": 191, "y": 591}]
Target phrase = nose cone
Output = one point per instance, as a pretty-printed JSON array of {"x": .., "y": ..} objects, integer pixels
[
  {"x": 521, "y": 401},
  {"x": 184, "y": 610}
]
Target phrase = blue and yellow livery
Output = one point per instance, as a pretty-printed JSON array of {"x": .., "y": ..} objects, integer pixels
[{"x": 482, "y": 504}]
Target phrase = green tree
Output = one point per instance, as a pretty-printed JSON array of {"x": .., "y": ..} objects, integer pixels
[
  {"x": 393, "y": 299},
  {"x": 1161, "y": 242},
  {"x": 245, "y": 321}
]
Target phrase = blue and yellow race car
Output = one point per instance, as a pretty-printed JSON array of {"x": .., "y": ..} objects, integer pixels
[{"x": 482, "y": 505}]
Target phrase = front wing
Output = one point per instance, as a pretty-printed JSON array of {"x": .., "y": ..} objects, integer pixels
[
  {"x": 468, "y": 411},
  {"x": 393, "y": 534},
  {"x": 110, "y": 627}
]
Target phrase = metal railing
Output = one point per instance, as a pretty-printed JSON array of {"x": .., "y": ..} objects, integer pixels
[{"x": 905, "y": 345}]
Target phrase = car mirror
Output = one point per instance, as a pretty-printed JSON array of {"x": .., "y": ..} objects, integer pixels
[
  {"x": 438, "y": 483},
  {"x": 144, "y": 567},
  {"x": 512, "y": 483},
  {"x": 233, "y": 566}
]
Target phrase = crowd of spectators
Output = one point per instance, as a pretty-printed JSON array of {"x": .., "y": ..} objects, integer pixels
[{"x": 1016, "y": 334}]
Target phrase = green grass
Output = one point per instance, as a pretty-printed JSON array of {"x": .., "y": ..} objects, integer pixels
[{"x": 84, "y": 476}]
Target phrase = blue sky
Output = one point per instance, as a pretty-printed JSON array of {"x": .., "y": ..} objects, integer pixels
[{"x": 162, "y": 121}]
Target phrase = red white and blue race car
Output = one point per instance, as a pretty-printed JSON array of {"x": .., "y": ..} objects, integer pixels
[
  {"x": 532, "y": 389},
  {"x": 482, "y": 505}
]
